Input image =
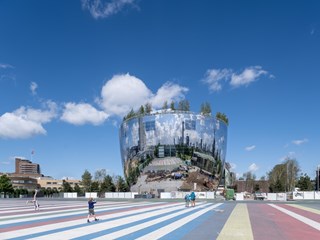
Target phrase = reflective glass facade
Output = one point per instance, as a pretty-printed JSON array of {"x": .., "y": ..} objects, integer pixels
[{"x": 199, "y": 141}]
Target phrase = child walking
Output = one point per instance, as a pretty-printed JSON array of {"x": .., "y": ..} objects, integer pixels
[{"x": 91, "y": 210}]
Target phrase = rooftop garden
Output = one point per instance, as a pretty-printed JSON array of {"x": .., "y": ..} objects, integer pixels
[{"x": 181, "y": 106}]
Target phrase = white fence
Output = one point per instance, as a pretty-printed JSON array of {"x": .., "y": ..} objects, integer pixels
[
  {"x": 69, "y": 195},
  {"x": 301, "y": 195},
  {"x": 126, "y": 195},
  {"x": 91, "y": 195},
  {"x": 163, "y": 195},
  {"x": 276, "y": 196},
  {"x": 298, "y": 195},
  {"x": 180, "y": 195}
]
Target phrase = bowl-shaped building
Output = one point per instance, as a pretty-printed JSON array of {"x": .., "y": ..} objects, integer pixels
[{"x": 173, "y": 145}]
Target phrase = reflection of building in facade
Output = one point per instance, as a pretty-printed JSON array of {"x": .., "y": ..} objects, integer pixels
[{"x": 198, "y": 141}]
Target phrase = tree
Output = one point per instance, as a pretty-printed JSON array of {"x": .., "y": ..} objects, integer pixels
[
  {"x": 184, "y": 105},
  {"x": 263, "y": 178},
  {"x": 121, "y": 185},
  {"x": 99, "y": 175},
  {"x": 283, "y": 176},
  {"x": 141, "y": 110},
  {"x": 165, "y": 105},
  {"x": 107, "y": 185},
  {"x": 172, "y": 105},
  {"x": 277, "y": 186},
  {"x": 66, "y": 187},
  {"x": 77, "y": 189},
  {"x": 5, "y": 185},
  {"x": 148, "y": 108},
  {"x": 131, "y": 114},
  {"x": 86, "y": 181},
  {"x": 95, "y": 186},
  {"x": 250, "y": 178},
  {"x": 304, "y": 183},
  {"x": 205, "y": 109},
  {"x": 222, "y": 117}
]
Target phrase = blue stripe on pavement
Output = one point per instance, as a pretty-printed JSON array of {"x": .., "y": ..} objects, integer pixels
[
  {"x": 139, "y": 232},
  {"x": 79, "y": 225}
]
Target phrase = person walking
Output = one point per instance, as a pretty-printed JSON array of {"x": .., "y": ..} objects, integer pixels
[
  {"x": 187, "y": 199},
  {"x": 91, "y": 204},
  {"x": 34, "y": 200},
  {"x": 193, "y": 199}
]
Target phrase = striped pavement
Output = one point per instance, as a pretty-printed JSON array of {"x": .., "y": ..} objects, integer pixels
[{"x": 148, "y": 220}]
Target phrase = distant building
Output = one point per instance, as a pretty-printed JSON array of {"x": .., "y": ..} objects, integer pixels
[
  {"x": 51, "y": 183},
  {"x": 26, "y": 167},
  {"x": 252, "y": 186},
  {"x": 23, "y": 182},
  {"x": 28, "y": 176}
]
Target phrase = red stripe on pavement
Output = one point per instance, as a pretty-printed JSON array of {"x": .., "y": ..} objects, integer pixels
[
  {"x": 311, "y": 215},
  {"x": 43, "y": 222},
  {"x": 269, "y": 223},
  {"x": 57, "y": 208}
]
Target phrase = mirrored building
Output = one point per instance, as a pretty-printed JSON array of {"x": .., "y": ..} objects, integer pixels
[{"x": 176, "y": 146}]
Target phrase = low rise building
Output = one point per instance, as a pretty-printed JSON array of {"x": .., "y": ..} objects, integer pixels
[{"x": 51, "y": 183}]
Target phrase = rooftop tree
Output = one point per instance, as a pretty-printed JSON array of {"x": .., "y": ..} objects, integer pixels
[{"x": 222, "y": 117}]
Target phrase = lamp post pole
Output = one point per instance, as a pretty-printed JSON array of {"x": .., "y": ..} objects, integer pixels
[{"x": 318, "y": 178}]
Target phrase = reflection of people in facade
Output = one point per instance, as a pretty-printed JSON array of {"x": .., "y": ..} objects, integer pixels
[
  {"x": 91, "y": 203},
  {"x": 35, "y": 201},
  {"x": 193, "y": 199}
]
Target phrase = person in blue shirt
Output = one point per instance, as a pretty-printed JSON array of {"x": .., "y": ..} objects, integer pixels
[
  {"x": 193, "y": 199},
  {"x": 91, "y": 203}
]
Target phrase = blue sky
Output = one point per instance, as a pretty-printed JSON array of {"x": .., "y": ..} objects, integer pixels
[{"x": 70, "y": 70}]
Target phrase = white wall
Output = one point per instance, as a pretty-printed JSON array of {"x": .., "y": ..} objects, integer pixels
[
  {"x": 126, "y": 195},
  {"x": 180, "y": 195},
  {"x": 69, "y": 195},
  {"x": 91, "y": 194}
]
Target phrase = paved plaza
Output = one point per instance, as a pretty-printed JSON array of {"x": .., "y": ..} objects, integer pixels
[{"x": 60, "y": 219}]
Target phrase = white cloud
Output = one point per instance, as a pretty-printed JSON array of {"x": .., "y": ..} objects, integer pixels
[
  {"x": 253, "y": 167},
  {"x": 250, "y": 148},
  {"x": 26, "y": 122},
  {"x": 33, "y": 88},
  {"x": 104, "y": 8},
  {"x": 5, "y": 66},
  {"x": 248, "y": 76},
  {"x": 168, "y": 92},
  {"x": 299, "y": 142},
  {"x": 82, "y": 113},
  {"x": 124, "y": 92},
  {"x": 213, "y": 78}
]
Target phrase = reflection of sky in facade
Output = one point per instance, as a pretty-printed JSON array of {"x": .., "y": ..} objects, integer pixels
[{"x": 168, "y": 129}]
